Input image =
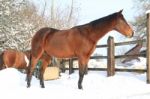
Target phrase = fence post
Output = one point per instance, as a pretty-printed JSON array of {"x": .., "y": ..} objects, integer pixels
[
  {"x": 111, "y": 57},
  {"x": 62, "y": 67},
  {"x": 148, "y": 47},
  {"x": 71, "y": 66}
]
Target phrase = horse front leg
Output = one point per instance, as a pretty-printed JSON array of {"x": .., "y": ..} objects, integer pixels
[{"x": 82, "y": 71}]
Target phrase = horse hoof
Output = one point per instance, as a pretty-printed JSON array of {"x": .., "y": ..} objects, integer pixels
[
  {"x": 80, "y": 87},
  {"x": 42, "y": 86},
  {"x": 28, "y": 86}
]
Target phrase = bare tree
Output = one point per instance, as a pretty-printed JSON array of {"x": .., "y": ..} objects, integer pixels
[
  {"x": 63, "y": 17},
  {"x": 141, "y": 6},
  {"x": 21, "y": 19}
]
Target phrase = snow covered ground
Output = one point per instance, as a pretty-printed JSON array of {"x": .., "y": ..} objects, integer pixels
[{"x": 95, "y": 86}]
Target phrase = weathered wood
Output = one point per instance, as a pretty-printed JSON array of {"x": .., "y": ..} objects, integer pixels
[
  {"x": 71, "y": 66},
  {"x": 111, "y": 57},
  {"x": 124, "y": 56},
  {"x": 105, "y": 57},
  {"x": 122, "y": 43},
  {"x": 129, "y": 42},
  {"x": 62, "y": 67},
  {"x": 135, "y": 50},
  {"x": 96, "y": 57},
  {"x": 116, "y": 69},
  {"x": 148, "y": 47}
]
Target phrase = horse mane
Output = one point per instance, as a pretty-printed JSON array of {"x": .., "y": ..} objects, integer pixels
[{"x": 103, "y": 19}]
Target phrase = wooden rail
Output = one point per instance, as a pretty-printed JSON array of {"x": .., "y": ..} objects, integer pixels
[
  {"x": 148, "y": 47},
  {"x": 116, "y": 69}
]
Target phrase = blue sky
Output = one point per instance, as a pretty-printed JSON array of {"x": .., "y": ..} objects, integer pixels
[{"x": 93, "y": 9}]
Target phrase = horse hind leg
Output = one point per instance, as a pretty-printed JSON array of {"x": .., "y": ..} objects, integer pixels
[
  {"x": 46, "y": 60},
  {"x": 30, "y": 70},
  {"x": 42, "y": 70}
]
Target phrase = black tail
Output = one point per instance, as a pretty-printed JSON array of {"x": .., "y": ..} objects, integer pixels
[
  {"x": 29, "y": 66},
  {"x": 1, "y": 61},
  {"x": 28, "y": 77}
]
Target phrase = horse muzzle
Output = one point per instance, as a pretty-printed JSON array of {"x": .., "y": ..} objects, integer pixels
[{"x": 130, "y": 36}]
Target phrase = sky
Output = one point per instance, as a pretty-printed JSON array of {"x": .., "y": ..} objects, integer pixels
[
  {"x": 93, "y": 9},
  {"x": 90, "y": 10}
]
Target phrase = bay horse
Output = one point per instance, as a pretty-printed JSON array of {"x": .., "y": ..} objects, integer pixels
[
  {"x": 13, "y": 58},
  {"x": 79, "y": 41},
  {"x": 45, "y": 60}
]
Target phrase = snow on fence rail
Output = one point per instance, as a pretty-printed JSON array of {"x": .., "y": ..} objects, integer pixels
[{"x": 111, "y": 57}]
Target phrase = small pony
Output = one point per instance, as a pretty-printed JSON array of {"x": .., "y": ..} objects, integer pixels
[
  {"x": 79, "y": 41},
  {"x": 20, "y": 60},
  {"x": 13, "y": 58}
]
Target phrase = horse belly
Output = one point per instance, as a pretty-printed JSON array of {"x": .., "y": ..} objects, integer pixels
[
  {"x": 60, "y": 52},
  {"x": 60, "y": 45}
]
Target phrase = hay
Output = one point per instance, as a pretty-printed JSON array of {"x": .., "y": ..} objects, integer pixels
[{"x": 51, "y": 73}]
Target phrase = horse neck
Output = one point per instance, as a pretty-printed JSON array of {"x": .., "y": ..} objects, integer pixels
[{"x": 100, "y": 27}]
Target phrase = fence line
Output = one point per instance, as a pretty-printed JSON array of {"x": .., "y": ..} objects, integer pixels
[
  {"x": 148, "y": 47},
  {"x": 111, "y": 57},
  {"x": 122, "y": 43}
]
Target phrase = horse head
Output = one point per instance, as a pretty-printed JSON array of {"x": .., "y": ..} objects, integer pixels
[{"x": 122, "y": 26}]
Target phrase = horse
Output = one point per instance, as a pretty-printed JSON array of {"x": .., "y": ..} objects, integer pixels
[
  {"x": 79, "y": 41},
  {"x": 13, "y": 58},
  {"x": 45, "y": 60}
]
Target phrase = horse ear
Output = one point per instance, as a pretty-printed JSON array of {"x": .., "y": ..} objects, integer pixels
[{"x": 120, "y": 11}]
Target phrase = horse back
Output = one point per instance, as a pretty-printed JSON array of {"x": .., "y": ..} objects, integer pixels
[
  {"x": 38, "y": 39},
  {"x": 67, "y": 43}
]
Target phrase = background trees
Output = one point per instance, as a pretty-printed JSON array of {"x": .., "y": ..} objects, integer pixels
[
  {"x": 140, "y": 6},
  {"x": 21, "y": 18}
]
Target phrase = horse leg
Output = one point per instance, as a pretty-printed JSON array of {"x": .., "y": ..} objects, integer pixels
[
  {"x": 30, "y": 70},
  {"x": 86, "y": 70},
  {"x": 82, "y": 70},
  {"x": 62, "y": 66},
  {"x": 42, "y": 70}
]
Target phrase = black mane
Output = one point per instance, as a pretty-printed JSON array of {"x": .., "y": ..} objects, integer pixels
[{"x": 103, "y": 19}]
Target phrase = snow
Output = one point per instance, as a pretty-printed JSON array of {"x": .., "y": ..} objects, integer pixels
[
  {"x": 148, "y": 11},
  {"x": 136, "y": 64},
  {"x": 96, "y": 85}
]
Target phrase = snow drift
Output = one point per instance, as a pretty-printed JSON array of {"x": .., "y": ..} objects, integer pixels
[{"x": 96, "y": 86}]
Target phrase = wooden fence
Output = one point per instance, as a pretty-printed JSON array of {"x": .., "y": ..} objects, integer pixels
[{"x": 111, "y": 56}]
